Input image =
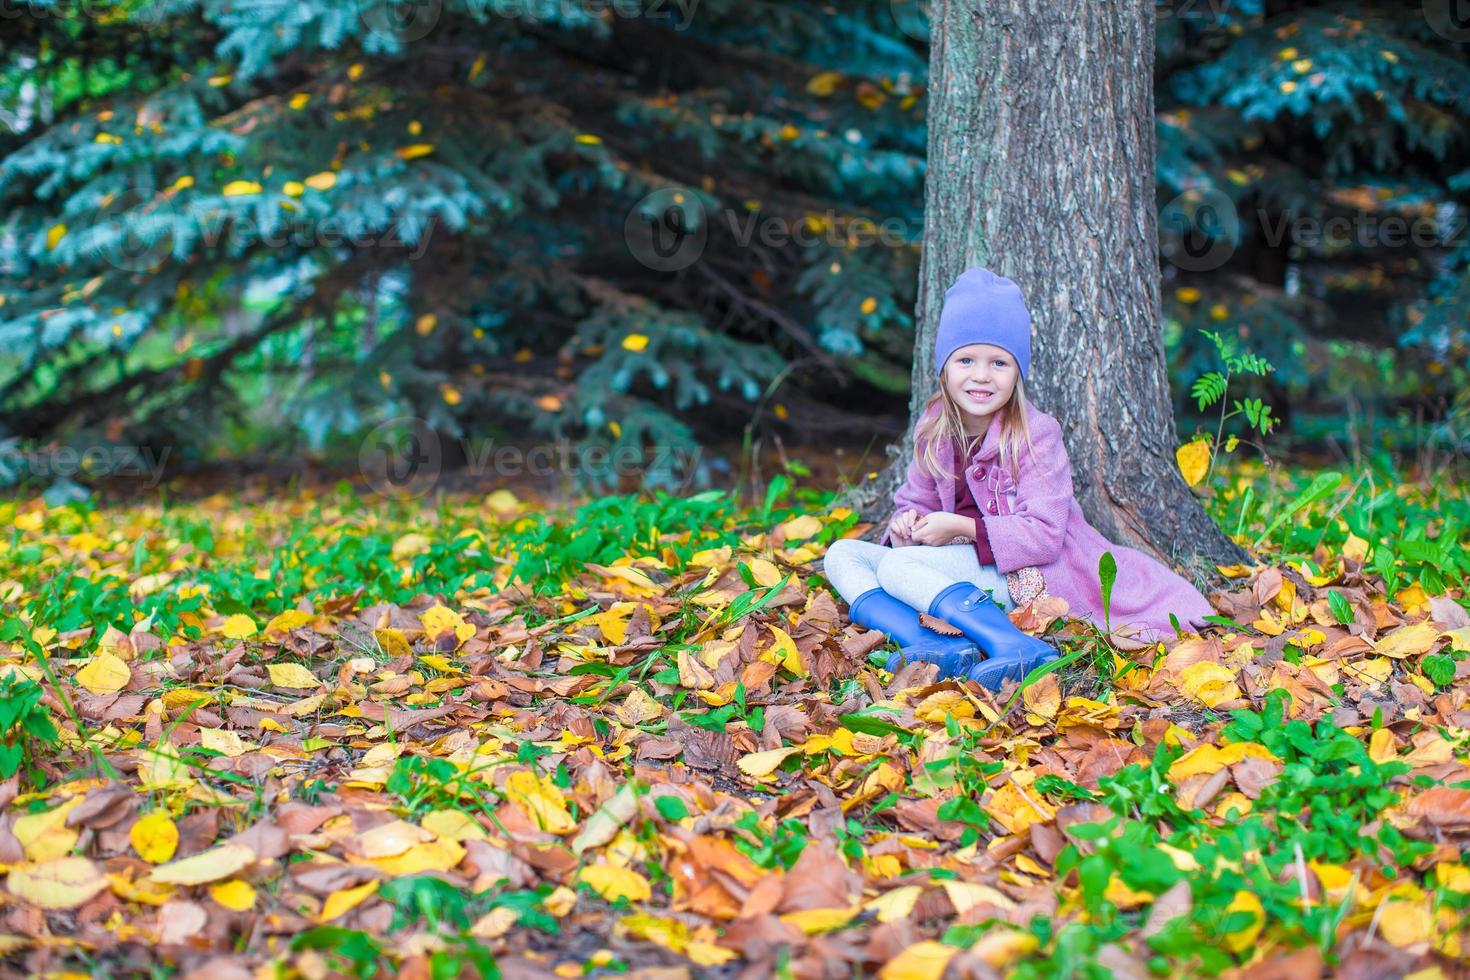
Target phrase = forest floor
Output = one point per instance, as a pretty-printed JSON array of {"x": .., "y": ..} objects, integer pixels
[{"x": 332, "y": 734}]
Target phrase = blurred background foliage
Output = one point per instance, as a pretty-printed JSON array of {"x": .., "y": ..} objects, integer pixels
[{"x": 255, "y": 229}]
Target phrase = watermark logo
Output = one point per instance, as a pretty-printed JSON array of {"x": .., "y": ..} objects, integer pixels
[
  {"x": 1198, "y": 230},
  {"x": 404, "y": 457},
  {"x": 401, "y": 457},
  {"x": 130, "y": 231},
  {"x": 911, "y": 17},
  {"x": 667, "y": 230},
  {"x": 20, "y": 461},
  {"x": 403, "y": 21},
  {"x": 1450, "y": 19}
]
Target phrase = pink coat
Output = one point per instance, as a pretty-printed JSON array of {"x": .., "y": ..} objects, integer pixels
[{"x": 1034, "y": 519}]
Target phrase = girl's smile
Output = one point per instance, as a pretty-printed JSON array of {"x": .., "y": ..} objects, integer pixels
[{"x": 980, "y": 379}]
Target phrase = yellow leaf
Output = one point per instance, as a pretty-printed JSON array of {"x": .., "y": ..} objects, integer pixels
[
  {"x": 53, "y": 238},
  {"x": 541, "y": 799},
  {"x": 440, "y": 619},
  {"x": 453, "y": 824},
  {"x": 238, "y": 627},
  {"x": 1194, "y": 460},
  {"x": 323, "y": 181},
  {"x": 235, "y": 895},
  {"x": 1205, "y": 759},
  {"x": 292, "y": 676},
  {"x": 999, "y": 948},
  {"x": 635, "y": 342},
  {"x": 1408, "y": 641},
  {"x": 299, "y": 100},
  {"x": 104, "y": 674},
  {"x": 1187, "y": 294},
  {"x": 785, "y": 648},
  {"x": 1209, "y": 683},
  {"x": 414, "y": 151},
  {"x": 966, "y": 895},
  {"x": 289, "y": 620},
  {"x": 293, "y": 188},
  {"x": 868, "y": 305},
  {"x": 588, "y": 139},
  {"x": 155, "y": 837},
  {"x": 45, "y": 836},
  {"x": 926, "y": 960},
  {"x": 813, "y": 921},
  {"x": 1016, "y": 809},
  {"x": 240, "y": 188},
  {"x": 1373, "y": 670},
  {"x": 613, "y": 883},
  {"x": 1043, "y": 699},
  {"x": 764, "y": 573},
  {"x": 894, "y": 905},
  {"x": 1406, "y": 923},
  {"x": 409, "y": 545},
  {"x": 1243, "y": 939},
  {"x": 708, "y": 954},
  {"x": 824, "y": 84},
  {"x": 230, "y": 744},
  {"x": 344, "y": 900},
  {"x": 439, "y": 854},
  {"x": 1381, "y": 747},
  {"x": 63, "y": 883},
  {"x": 503, "y": 502},
  {"x": 800, "y": 528},
  {"x": 212, "y": 865},
  {"x": 758, "y": 765}
]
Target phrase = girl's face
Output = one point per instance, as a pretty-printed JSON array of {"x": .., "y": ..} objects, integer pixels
[{"x": 980, "y": 379}]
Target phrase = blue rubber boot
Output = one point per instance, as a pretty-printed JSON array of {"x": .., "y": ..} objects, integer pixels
[
  {"x": 1010, "y": 654},
  {"x": 955, "y": 656}
]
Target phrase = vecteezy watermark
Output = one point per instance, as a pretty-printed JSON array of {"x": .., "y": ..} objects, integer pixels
[
  {"x": 911, "y": 17},
  {"x": 404, "y": 457},
  {"x": 1192, "y": 9},
  {"x": 1363, "y": 230},
  {"x": 400, "y": 20},
  {"x": 19, "y": 461},
  {"x": 405, "y": 21},
  {"x": 1198, "y": 230},
  {"x": 668, "y": 230},
  {"x": 133, "y": 232},
  {"x": 143, "y": 15},
  {"x": 130, "y": 231},
  {"x": 401, "y": 457},
  {"x": 1450, "y": 19}
]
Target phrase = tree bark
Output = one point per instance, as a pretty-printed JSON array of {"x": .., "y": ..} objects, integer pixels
[{"x": 1041, "y": 168}]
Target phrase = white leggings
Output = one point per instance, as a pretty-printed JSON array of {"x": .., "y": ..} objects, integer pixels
[{"x": 914, "y": 573}]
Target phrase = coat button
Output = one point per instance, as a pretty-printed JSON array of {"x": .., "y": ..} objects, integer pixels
[
  {"x": 992, "y": 506},
  {"x": 980, "y": 471}
]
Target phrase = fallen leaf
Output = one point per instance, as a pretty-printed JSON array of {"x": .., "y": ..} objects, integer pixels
[
  {"x": 212, "y": 865},
  {"x": 62, "y": 883}
]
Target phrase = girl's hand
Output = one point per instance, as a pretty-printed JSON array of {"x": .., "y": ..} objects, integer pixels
[
  {"x": 940, "y": 528},
  {"x": 901, "y": 528}
]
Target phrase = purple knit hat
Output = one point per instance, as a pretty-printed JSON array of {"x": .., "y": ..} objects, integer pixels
[{"x": 983, "y": 308}]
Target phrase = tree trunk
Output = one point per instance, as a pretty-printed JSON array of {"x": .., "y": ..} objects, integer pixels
[{"x": 1041, "y": 168}]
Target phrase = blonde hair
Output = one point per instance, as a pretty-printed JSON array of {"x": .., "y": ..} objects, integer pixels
[{"x": 947, "y": 424}]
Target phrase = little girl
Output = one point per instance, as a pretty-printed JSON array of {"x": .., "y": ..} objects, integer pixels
[{"x": 970, "y": 550}]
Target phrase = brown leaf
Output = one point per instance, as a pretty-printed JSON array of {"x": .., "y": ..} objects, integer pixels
[{"x": 1442, "y": 806}]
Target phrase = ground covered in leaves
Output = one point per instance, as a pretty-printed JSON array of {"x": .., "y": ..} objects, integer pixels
[{"x": 332, "y": 735}]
